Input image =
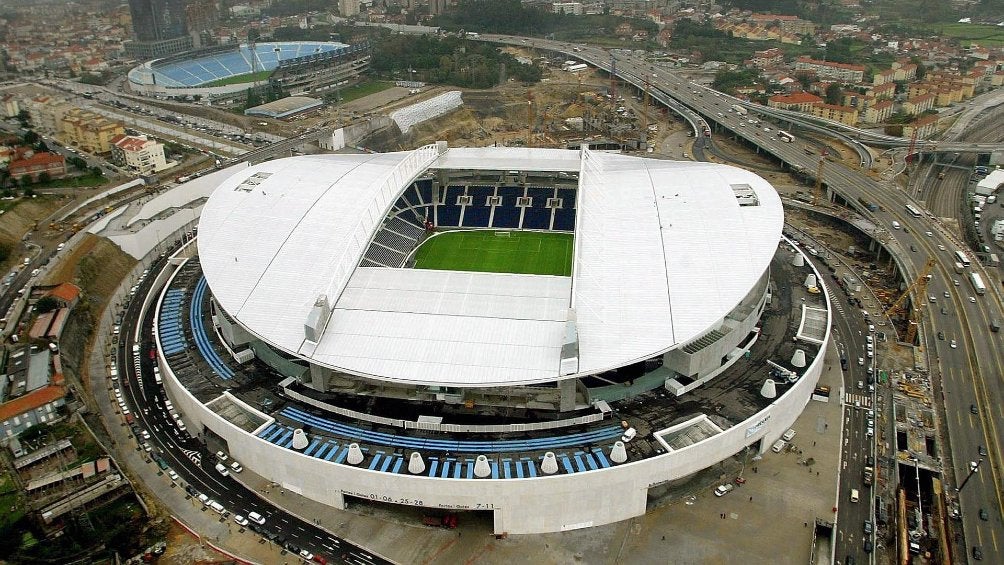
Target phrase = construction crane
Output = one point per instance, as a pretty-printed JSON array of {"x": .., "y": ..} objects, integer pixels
[
  {"x": 819, "y": 176},
  {"x": 919, "y": 286}
]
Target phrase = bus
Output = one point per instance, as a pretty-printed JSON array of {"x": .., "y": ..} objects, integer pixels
[
  {"x": 977, "y": 283},
  {"x": 962, "y": 258},
  {"x": 785, "y": 136},
  {"x": 913, "y": 211}
]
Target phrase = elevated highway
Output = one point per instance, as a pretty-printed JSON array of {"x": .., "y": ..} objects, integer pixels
[{"x": 967, "y": 377}]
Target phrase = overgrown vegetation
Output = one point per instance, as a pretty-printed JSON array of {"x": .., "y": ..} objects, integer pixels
[
  {"x": 448, "y": 60},
  {"x": 513, "y": 17},
  {"x": 728, "y": 81}
]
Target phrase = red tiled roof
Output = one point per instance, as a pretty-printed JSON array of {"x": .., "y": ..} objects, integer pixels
[
  {"x": 30, "y": 401},
  {"x": 37, "y": 159},
  {"x": 67, "y": 292},
  {"x": 129, "y": 143},
  {"x": 796, "y": 98}
]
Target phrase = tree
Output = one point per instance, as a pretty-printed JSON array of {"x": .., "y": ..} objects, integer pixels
[
  {"x": 96, "y": 171},
  {"x": 77, "y": 163},
  {"x": 44, "y": 177},
  {"x": 30, "y": 137},
  {"x": 5, "y": 250},
  {"x": 834, "y": 94},
  {"x": 46, "y": 304},
  {"x": 24, "y": 117}
]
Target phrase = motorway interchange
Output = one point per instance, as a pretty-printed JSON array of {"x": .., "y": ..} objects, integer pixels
[{"x": 967, "y": 366}]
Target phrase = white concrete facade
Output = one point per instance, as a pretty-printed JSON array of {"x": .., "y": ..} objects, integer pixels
[{"x": 519, "y": 506}]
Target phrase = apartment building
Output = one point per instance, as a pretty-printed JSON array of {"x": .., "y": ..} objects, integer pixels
[
  {"x": 829, "y": 70},
  {"x": 799, "y": 101},
  {"x": 842, "y": 114},
  {"x": 47, "y": 112},
  {"x": 32, "y": 164},
  {"x": 89, "y": 131},
  {"x": 924, "y": 126},
  {"x": 767, "y": 58},
  {"x": 919, "y": 104},
  {"x": 138, "y": 153},
  {"x": 877, "y": 112}
]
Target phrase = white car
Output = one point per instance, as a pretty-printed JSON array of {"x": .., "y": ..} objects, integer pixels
[
  {"x": 306, "y": 555},
  {"x": 929, "y": 233},
  {"x": 941, "y": 247},
  {"x": 947, "y": 295},
  {"x": 722, "y": 490},
  {"x": 241, "y": 520},
  {"x": 972, "y": 299},
  {"x": 221, "y": 456},
  {"x": 257, "y": 518},
  {"x": 236, "y": 467},
  {"x": 172, "y": 474},
  {"x": 952, "y": 344}
]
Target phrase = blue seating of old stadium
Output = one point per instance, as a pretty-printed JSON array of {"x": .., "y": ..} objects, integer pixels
[{"x": 172, "y": 338}]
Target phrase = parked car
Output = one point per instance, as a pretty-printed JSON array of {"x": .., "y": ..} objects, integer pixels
[{"x": 722, "y": 490}]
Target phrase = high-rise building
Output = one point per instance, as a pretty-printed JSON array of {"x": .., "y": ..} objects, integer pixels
[{"x": 160, "y": 28}]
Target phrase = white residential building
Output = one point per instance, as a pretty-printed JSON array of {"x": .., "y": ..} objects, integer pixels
[{"x": 138, "y": 153}]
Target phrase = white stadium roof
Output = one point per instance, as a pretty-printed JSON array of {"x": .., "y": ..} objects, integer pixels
[{"x": 663, "y": 251}]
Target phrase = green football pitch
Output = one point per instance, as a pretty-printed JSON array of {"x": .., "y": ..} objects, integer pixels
[{"x": 528, "y": 253}]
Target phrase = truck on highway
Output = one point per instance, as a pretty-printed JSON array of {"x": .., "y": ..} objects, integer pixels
[
  {"x": 739, "y": 109},
  {"x": 959, "y": 267},
  {"x": 977, "y": 282}
]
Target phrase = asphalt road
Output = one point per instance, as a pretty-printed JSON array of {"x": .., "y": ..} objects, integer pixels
[
  {"x": 971, "y": 371},
  {"x": 189, "y": 458}
]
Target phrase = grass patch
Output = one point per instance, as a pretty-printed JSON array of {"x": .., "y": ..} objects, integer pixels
[
  {"x": 240, "y": 79},
  {"x": 529, "y": 253},
  {"x": 363, "y": 89},
  {"x": 984, "y": 35},
  {"x": 9, "y": 501},
  {"x": 86, "y": 181}
]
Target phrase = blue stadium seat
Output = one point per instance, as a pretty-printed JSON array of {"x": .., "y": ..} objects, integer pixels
[
  {"x": 564, "y": 219},
  {"x": 537, "y": 218}
]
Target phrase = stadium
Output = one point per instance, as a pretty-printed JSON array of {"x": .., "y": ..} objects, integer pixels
[
  {"x": 544, "y": 339},
  {"x": 224, "y": 75}
]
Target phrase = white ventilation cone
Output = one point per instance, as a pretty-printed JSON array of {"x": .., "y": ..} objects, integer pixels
[
  {"x": 810, "y": 281},
  {"x": 355, "y": 454},
  {"x": 618, "y": 454},
  {"x": 300, "y": 440},
  {"x": 798, "y": 359},
  {"x": 481, "y": 467},
  {"x": 550, "y": 464},
  {"x": 416, "y": 465},
  {"x": 769, "y": 389},
  {"x": 798, "y": 260}
]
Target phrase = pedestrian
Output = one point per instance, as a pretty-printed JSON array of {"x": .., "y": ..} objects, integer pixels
[
  {"x": 751, "y": 499},
  {"x": 805, "y": 524},
  {"x": 663, "y": 538},
  {"x": 813, "y": 444}
]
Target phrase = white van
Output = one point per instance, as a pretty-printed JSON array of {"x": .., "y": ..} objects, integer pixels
[
  {"x": 222, "y": 470},
  {"x": 778, "y": 446},
  {"x": 217, "y": 507},
  {"x": 854, "y": 495},
  {"x": 895, "y": 225},
  {"x": 788, "y": 435}
]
